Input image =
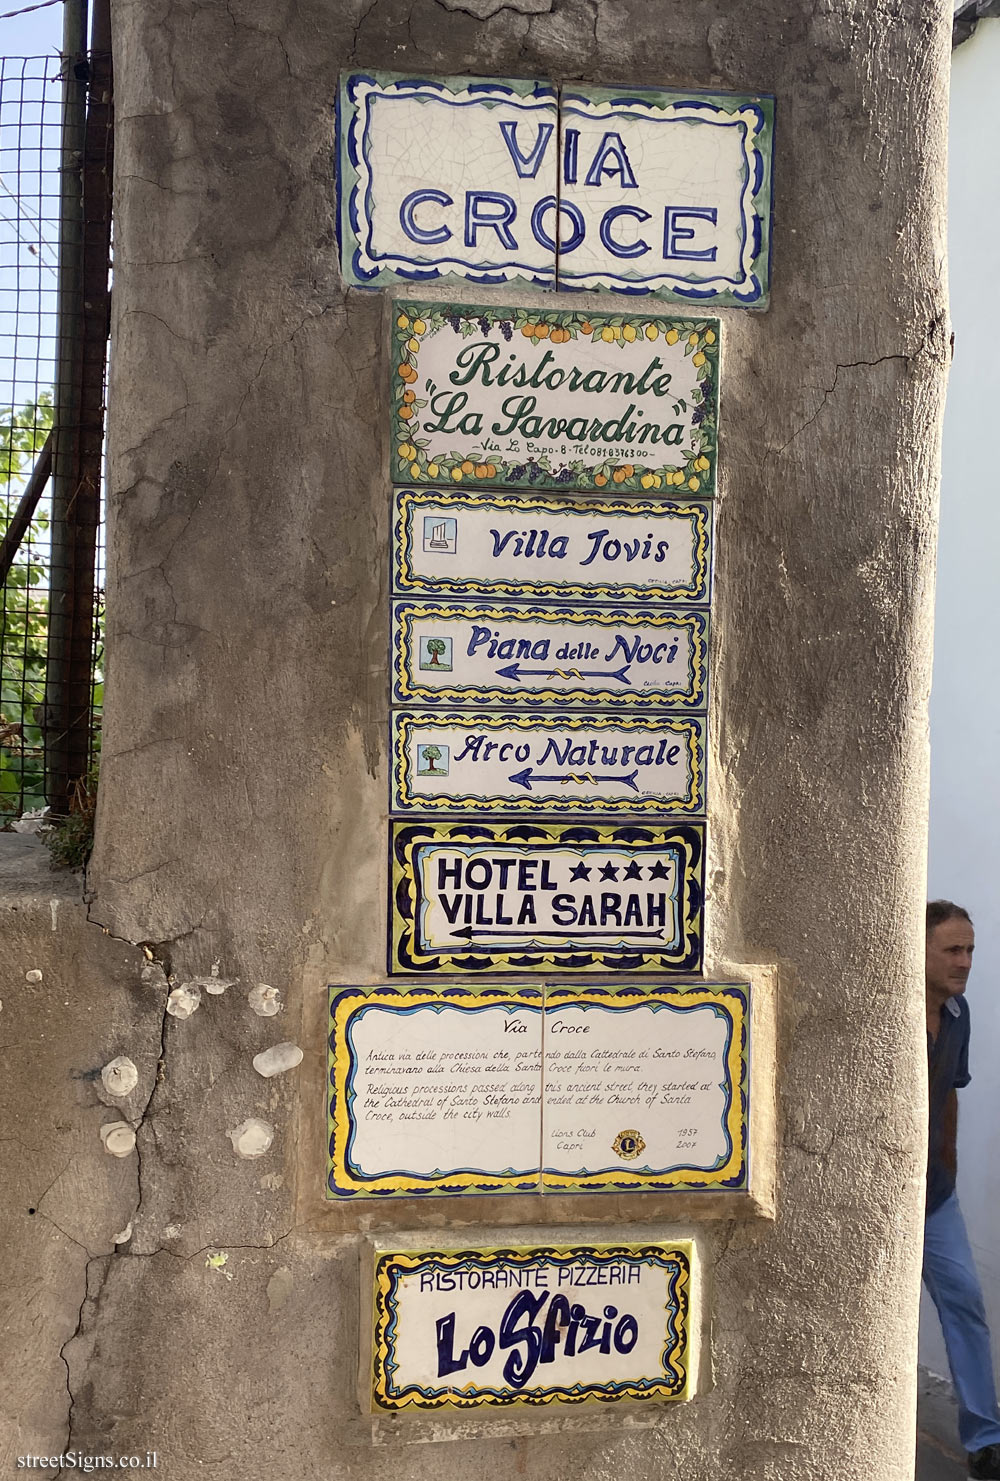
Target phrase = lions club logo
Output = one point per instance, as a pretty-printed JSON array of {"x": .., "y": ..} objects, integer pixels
[{"x": 628, "y": 1145}]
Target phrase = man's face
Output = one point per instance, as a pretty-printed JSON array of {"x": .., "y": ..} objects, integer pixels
[{"x": 949, "y": 956}]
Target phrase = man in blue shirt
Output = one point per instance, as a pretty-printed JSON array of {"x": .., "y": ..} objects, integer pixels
[{"x": 949, "y": 1272}]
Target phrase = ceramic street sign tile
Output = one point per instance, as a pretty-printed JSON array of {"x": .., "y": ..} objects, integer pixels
[
  {"x": 535, "y": 1325},
  {"x": 667, "y": 193},
  {"x": 439, "y": 178},
  {"x": 464, "y": 543},
  {"x": 509, "y": 896},
  {"x": 646, "y": 1088},
  {"x": 490, "y": 180},
  {"x": 434, "y": 1091},
  {"x": 542, "y": 398},
  {"x": 508, "y": 761},
  {"x": 491, "y": 654},
  {"x": 450, "y": 1090}
]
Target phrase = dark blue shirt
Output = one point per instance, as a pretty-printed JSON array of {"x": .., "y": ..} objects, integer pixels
[{"x": 948, "y": 1070}]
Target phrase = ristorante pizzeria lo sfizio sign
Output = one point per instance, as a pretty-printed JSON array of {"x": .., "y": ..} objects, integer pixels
[{"x": 531, "y": 1325}]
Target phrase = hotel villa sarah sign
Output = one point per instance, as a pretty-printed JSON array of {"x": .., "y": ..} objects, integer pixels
[
  {"x": 495, "y": 180},
  {"x": 507, "y": 895}
]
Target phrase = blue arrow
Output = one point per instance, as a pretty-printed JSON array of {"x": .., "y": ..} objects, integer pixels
[
  {"x": 515, "y": 671},
  {"x": 526, "y": 777}
]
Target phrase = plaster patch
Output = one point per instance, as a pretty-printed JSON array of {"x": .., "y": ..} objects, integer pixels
[
  {"x": 118, "y": 1138},
  {"x": 120, "y": 1076},
  {"x": 264, "y": 1000},
  {"x": 184, "y": 1000},
  {"x": 252, "y": 1137},
  {"x": 277, "y": 1059},
  {"x": 213, "y": 983},
  {"x": 279, "y": 1288}
]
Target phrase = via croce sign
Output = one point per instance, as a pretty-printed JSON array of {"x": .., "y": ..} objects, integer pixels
[
  {"x": 531, "y": 1325},
  {"x": 497, "y": 180}
]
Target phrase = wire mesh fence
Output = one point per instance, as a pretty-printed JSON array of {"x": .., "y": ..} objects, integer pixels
[{"x": 55, "y": 149}]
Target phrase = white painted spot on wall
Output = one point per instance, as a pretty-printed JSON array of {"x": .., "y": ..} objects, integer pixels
[
  {"x": 264, "y": 1000},
  {"x": 252, "y": 1137},
  {"x": 120, "y": 1076},
  {"x": 125, "y": 1235},
  {"x": 118, "y": 1138},
  {"x": 277, "y": 1059},
  {"x": 34, "y": 975},
  {"x": 184, "y": 1000},
  {"x": 54, "y": 908}
]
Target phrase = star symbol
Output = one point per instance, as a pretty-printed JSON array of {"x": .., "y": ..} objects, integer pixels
[
  {"x": 580, "y": 872},
  {"x": 609, "y": 871},
  {"x": 659, "y": 870},
  {"x": 633, "y": 871}
]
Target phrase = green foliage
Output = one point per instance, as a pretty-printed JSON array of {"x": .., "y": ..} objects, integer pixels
[
  {"x": 23, "y": 617},
  {"x": 70, "y": 839}
]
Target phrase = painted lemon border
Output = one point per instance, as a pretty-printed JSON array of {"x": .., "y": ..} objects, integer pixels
[
  {"x": 408, "y": 503},
  {"x": 413, "y": 460},
  {"x": 408, "y": 688},
  {"x": 343, "y": 1179},
  {"x": 686, "y": 840},
  {"x": 729, "y": 1001},
  {"x": 689, "y": 730},
  {"x": 676, "y": 1260}
]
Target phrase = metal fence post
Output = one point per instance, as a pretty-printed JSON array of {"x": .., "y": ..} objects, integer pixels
[{"x": 78, "y": 422}]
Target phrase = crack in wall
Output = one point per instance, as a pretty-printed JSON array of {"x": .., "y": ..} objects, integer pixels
[
  {"x": 831, "y": 390},
  {"x": 77, "y": 1330}
]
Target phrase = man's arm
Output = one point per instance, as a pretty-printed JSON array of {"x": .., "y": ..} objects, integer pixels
[{"x": 949, "y": 1133}]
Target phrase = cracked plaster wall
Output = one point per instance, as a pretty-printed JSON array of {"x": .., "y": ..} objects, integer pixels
[{"x": 243, "y": 775}]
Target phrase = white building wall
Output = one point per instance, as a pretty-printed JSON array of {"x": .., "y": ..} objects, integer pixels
[{"x": 964, "y": 862}]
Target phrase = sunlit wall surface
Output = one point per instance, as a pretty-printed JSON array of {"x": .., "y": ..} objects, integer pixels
[{"x": 964, "y": 862}]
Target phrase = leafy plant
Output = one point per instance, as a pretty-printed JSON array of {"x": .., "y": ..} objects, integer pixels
[
  {"x": 23, "y": 616},
  {"x": 70, "y": 839}
]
